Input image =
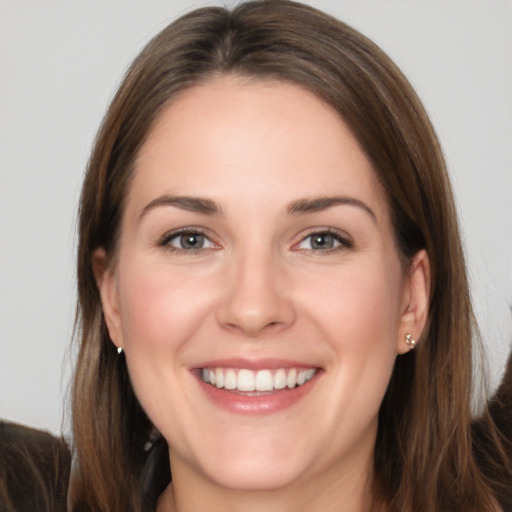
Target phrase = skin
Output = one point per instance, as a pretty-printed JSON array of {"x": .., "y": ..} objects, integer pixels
[{"x": 259, "y": 289}]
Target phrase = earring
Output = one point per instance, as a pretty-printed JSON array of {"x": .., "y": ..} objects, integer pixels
[
  {"x": 119, "y": 350},
  {"x": 411, "y": 342}
]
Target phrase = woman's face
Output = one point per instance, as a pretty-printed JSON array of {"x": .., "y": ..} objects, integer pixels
[{"x": 257, "y": 291}]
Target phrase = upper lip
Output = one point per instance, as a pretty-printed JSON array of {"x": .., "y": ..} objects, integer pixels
[{"x": 255, "y": 364}]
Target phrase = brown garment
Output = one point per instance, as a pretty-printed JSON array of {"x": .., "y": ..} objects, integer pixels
[{"x": 34, "y": 470}]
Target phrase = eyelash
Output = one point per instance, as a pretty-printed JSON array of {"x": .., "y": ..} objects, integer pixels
[
  {"x": 165, "y": 241},
  {"x": 343, "y": 241}
]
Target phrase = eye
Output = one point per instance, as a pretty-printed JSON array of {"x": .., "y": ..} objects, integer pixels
[
  {"x": 187, "y": 241},
  {"x": 324, "y": 241}
]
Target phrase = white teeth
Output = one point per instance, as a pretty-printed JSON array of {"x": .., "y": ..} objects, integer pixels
[
  {"x": 280, "y": 379},
  {"x": 291, "y": 379},
  {"x": 219, "y": 378},
  {"x": 310, "y": 374},
  {"x": 262, "y": 380},
  {"x": 245, "y": 381},
  {"x": 230, "y": 379},
  {"x": 301, "y": 378}
]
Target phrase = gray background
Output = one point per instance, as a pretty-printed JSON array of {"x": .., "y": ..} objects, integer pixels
[{"x": 60, "y": 62}]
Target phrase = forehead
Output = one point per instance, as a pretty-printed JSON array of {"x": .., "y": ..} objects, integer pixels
[{"x": 251, "y": 141}]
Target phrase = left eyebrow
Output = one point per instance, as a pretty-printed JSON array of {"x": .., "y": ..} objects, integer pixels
[{"x": 317, "y": 204}]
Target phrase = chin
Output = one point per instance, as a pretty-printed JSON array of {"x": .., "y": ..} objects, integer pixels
[
  {"x": 253, "y": 475},
  {"x": 263, "y": 463}
]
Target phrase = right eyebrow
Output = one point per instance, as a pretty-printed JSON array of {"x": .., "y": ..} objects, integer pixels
[{"x": 191, "y": 204}]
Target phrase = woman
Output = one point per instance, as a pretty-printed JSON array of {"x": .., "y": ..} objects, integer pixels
[{"x": 272, "y": 293}]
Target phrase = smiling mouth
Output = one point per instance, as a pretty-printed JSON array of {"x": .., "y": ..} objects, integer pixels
[{"x": 244, "y": 380}]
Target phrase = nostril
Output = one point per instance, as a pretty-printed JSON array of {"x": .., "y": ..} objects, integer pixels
[{"x": 251, "y": 330}]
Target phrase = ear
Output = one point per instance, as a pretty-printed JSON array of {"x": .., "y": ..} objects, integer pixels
[
  {"x": 107, "y": 283},
  {"x": 415, "y": 304}
]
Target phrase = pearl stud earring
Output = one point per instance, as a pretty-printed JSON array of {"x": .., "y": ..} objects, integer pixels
[{"x": 411, "y": 342}]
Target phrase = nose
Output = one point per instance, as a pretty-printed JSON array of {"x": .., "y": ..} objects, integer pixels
[{"x": 256, "y": 296}]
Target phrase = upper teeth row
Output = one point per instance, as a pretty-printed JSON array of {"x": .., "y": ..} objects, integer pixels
[{"x": 262, "y": 380}]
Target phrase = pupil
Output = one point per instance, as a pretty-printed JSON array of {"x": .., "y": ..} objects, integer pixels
[
  {"x": 191, "y": 241},
  {"x": 322, "y": 241}
]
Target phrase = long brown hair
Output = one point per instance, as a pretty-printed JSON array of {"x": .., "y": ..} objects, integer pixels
[
  {"x": 424, "y": 457},
  {"x": 34, "y": 470}
]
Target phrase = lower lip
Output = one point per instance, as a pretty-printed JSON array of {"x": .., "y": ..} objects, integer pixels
[{"x": 268, "y": 403}]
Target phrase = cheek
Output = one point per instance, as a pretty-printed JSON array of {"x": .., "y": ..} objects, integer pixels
[
  {"x": 359, "y": 306},
  {"x": 159, "y": 307},
  {"x": 161, "y": 311},
  {"x": 358, "y": 311}
]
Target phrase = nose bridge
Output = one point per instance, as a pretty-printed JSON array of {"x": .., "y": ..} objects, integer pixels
[{"x": 255, "y": 298}]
